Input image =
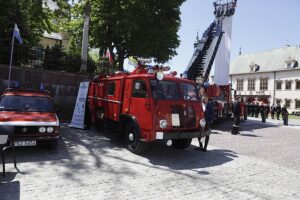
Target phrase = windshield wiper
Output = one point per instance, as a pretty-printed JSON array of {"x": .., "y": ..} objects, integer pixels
[{"x": 9, "y": 109}]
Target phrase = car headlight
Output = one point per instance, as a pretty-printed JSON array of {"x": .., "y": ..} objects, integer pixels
[
  {"x": 42, "y": 129},
  {"x": 163, "y": 123},
  {"x": 50, "y": 129},
  {"x": 202, "y": 123}
]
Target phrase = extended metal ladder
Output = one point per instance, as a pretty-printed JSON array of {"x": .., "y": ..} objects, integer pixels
[{"x": 202, "y": 60}]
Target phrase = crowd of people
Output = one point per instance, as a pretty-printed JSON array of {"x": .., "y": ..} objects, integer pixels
[
  {"x": 254, "y": 109},
  {"x": 241, "y": 109}
]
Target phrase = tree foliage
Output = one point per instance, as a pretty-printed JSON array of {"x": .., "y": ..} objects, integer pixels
[
  {"x": 132, "y": 27},
  {"x": 33, "y": 17}
]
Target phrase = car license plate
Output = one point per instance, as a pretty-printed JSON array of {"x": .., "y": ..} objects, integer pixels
[{"x": 25, "y": 143}]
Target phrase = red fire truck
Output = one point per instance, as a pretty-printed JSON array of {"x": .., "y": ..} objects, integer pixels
[
  {"x": 148, "y": 105},
  {"x": 221, "y": 96}
]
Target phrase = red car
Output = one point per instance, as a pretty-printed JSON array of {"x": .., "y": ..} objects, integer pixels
[{"x": 33, "y": 116}]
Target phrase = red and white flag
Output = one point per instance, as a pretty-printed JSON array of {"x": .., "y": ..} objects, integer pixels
[{"x": 108, "y": 55}]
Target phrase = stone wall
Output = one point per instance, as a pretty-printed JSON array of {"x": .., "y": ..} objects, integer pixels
[{"x": 62, "y": 85}]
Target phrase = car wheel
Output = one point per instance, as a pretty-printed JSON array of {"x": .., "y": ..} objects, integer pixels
[
  {"x": 181, "y": 143},
  {"x": 134, "y": 144}
]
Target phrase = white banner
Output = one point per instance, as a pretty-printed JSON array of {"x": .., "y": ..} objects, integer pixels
[
  {"x": 79, "y": 110},
  {"x": 222, "y": 61}
]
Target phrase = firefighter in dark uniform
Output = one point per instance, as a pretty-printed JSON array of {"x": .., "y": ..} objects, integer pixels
[
  {"x": 285, "y": 115},
  {"x": 256, "y": 110},
  {"x": 251, "y": 107},
  {"x": 273, "y": 109},
  {"x": 236, "y": 113},
  {"x": 278, "y": 111},
  {"x": 267, "y": 109},
  {"x": 263, "y": 113}
]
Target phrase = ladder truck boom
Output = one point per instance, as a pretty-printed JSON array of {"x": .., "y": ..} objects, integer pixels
[
  {"x": 200, "y": 65},
  {"x": 202, "y": 60}
]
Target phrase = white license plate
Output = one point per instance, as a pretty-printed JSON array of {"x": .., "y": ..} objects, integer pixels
[{"x": 25, "y": 143}]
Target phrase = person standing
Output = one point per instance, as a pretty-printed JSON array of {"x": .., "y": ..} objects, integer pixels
[
  {"x": 209, "y": 117},
  {"x": 236, "y": 118},
  {"x": 263, "y": 112},
  {"x": 273, "y": 109},
  {"x": 278, "y": 111},
  {"x": 267, "y": 109},
  {"x": 257, "y": 108},
  {"x": 251, "y": 107},
  {"x": 285, "y": 114}
]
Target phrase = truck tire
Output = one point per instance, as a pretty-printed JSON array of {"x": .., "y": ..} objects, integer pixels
[
  {"x": 181, "y": 143},
  {"x": 99, "y": 118},
  {"x": 134, "y": 144}
]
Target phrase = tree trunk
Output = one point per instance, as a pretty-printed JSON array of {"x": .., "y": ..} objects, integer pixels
[{"x": 121, "y": 60}]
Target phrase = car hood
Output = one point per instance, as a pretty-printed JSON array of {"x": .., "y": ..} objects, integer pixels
[{"x": 28, "y": 119}]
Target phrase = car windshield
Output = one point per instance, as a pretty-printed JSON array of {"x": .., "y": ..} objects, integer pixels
[
  {"x": 26, "y": 103},
  {"x": 166, "y": 90},
  {"x": 189, "y": 92}
]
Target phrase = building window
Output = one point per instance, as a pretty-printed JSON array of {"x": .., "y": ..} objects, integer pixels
[
  {"x": 251, "y": 84},
  {"x": 289, "y": 65},
  {"x": 288, "y": 103},
  {"x": 239, "y": 85},
  {"x": 297, "y": 85},
  {"x": 297, "y": 103},
  {"x": 278, "y": 85},
  {"x": 263, "y": 84},
  {"x": 288, "y": 85}
]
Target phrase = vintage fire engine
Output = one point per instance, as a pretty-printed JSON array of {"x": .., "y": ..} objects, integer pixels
[{"x": 148, "y": 105}]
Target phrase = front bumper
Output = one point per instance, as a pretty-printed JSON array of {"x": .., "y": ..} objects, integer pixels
[
  {"x": 43, "y": 138},
  {"x": 181, "y": 135}
]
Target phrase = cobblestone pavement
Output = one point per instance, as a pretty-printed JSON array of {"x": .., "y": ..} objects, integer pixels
[{"x": 261, "y": 163}]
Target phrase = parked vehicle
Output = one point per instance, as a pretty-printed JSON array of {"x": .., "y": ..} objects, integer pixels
[
  {"x": 147, "y": 105},
  {"x": 32, "y": 114}
]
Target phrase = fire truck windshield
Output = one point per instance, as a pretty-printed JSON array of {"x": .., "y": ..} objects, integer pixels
[
  {"x": 166, "y": 90},
  {"x": 189, "y": 92}
]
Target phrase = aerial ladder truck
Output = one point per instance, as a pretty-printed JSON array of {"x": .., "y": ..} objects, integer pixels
[{"x": 206, "y": 49}]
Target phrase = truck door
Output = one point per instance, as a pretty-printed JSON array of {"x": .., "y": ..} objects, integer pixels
[{"x": 140, "y": 106}]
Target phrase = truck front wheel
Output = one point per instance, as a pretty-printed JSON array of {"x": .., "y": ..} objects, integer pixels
[
  {"x": 181, "y": 143},
  {"x": 134, "y": 144}
]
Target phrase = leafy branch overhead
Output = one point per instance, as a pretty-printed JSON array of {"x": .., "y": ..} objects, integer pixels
[{"x": 132, "y": 27}]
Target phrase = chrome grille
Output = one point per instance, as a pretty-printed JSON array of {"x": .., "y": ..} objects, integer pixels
[{"x": 26, "y": 129}]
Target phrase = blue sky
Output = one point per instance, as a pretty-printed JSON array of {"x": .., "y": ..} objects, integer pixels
[{"x": 258, "y": 25}]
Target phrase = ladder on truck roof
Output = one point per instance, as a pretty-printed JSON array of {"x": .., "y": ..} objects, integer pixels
[{"x": 202, "y": 60}]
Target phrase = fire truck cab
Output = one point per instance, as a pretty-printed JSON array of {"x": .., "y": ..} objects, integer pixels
[{"x": 148, "y": 105}]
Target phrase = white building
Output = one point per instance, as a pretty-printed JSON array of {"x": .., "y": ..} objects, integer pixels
[{"x": 270, "y": 76}]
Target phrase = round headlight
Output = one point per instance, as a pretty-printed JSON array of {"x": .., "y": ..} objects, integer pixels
[
  {"x": 163, "y": 123},
  {"x": 202, "y": 123},
  {"x": 42, "y": 129},
  {"x": 50, "y": 129}
]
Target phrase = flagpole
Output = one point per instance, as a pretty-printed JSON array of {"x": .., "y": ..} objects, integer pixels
[{"x": 11, "y": 56}]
